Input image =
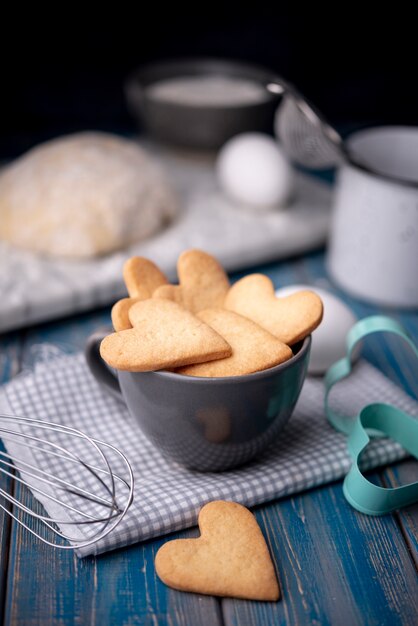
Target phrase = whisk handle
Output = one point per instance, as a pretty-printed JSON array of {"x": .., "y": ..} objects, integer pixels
[{"x": 98, "y": 367}]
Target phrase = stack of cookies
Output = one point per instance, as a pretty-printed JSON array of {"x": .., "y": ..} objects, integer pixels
[{"x": 203, "y": 326}]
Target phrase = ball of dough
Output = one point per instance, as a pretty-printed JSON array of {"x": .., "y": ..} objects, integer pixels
[{"x": 83, "y": 195}]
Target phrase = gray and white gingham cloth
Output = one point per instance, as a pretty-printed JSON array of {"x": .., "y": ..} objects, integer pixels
[{"x": 167, "y": 496}]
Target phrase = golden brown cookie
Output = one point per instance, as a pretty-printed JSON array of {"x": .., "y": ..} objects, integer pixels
[
  {"x": 290, "y": 319},
  {"x": 164, "y": 336},
  {"x": 253, "y": 348},
  {"x": 203, "y": 282},
  {"x": 230, "y": 558},
  {"x": 119, "y": 313},
  {"x": 171, "y": 292},
  {"x": 142, "y": 277}
]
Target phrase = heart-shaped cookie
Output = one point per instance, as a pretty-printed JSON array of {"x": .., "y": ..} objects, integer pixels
[
  {"x": 203, "y": 282},
  {"x": 253, "y": 348},
  {"x": 120, "y": 313},
  {"x": 290, "y": 319},
  {"x": 230, "y": 558},
  {"x": 164, "y": 336},
  {"x": 142, "y": 277}
]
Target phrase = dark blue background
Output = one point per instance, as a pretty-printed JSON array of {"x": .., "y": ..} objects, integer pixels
[{"x": 64, "y": 72}]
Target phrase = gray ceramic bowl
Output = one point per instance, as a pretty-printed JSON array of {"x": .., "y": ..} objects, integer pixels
[
  {"x": 207, "y": 424},
  {"x": 206, "y": 127}
]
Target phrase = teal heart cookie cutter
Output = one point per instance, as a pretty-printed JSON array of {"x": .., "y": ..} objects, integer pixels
[{"x": 374, "y": 420}]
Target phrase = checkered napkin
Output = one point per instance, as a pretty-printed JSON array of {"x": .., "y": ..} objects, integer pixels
[{"x": 167, "y": 496}]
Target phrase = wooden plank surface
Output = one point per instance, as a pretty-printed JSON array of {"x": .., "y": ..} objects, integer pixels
[
  {"x": 335, "y": 565},
  {"x": 48, "y": 586},
  {"x": 395, "y": 476},
  {"x": 9, "y": 366}
]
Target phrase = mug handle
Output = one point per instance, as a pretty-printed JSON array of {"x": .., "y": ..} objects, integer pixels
[{"x": 101, "y": 372}]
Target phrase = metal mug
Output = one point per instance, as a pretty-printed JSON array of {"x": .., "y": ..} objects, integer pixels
[{"x": 373, "y": 250}]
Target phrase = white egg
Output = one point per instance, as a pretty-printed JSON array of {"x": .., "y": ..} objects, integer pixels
[
  {"x": 328, "y": 340},
  {"x": 252, "y": 170}
]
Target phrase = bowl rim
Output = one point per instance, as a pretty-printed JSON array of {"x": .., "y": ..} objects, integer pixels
[
  {"x": 225, "y": 380},
  {"x": 145, "y": 75}
]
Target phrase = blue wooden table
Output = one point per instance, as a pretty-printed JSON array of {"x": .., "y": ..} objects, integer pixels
[{"x": 335, "y": 565}]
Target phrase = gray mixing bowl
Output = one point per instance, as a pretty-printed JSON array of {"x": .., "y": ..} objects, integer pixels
[{"x": 209, "y": 125}]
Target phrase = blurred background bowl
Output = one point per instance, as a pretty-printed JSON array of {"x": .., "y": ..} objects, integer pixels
[{"x": 201, "y": 124}]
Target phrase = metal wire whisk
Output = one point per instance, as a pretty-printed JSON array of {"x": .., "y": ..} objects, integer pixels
[{"x": 86, "y": 485}]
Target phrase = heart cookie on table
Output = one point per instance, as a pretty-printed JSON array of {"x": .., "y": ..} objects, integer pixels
[
  {"x": 290, "y": 319},
  {"x": 230, "y": 558},
  {"x": 142, "y": 277},
  {"x": 164, "y": 335},
  {"x": 203, "y": 282}
]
